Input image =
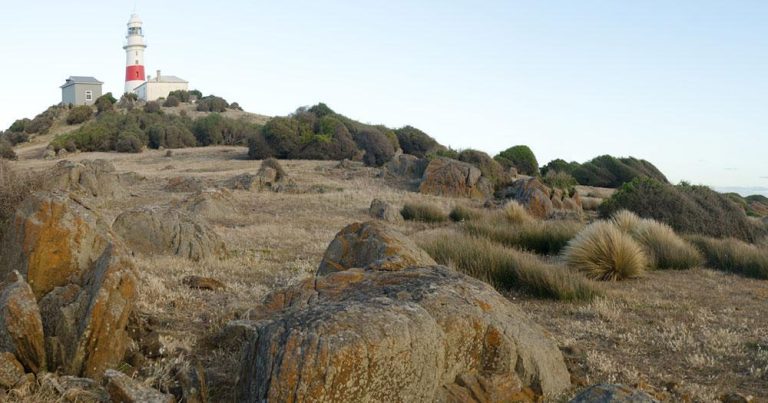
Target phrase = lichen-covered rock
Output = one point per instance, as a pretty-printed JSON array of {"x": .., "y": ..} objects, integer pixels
[
  {"x": 167, "y": 231},
  {"x": 371, "y": 245},
  {"x": 185, "y": 184},
  {"x": 212, "y": 204},
  {"x": 11, "y": 370},
  {"x": 123, "y": 389},
  {"x": 244, "y": 181},
  {"x": 447, "y": 177},
  {"x": 95, "y": 178},
  {"x": 384, "y": 211},
  {"x": 419, "y": 334},
  {"x": 21, "y": 328},
  {"x": 85, "y": 323},
  {"x": 612, "y": 393},
  {"x": 532, "y": 194},
  {"x": 53, "y": 239},
  {"x": 407, "y": 166}
]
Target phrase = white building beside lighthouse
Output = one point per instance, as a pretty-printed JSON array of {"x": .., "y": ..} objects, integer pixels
[{"x": 134, "y": 54}]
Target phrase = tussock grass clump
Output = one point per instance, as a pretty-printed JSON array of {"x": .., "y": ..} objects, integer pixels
[
  {"x": 665, "y": 249},
  {"x": 733, "y": 255},
  {"x": 514, "y": 212},
  {"x": 462, "y": 213},
  {"x": 603, "y": 252},
  {"x": 507, "y": 268},
  {"x": 424, "y": 212},
  {"x": 543, "y": 237}
]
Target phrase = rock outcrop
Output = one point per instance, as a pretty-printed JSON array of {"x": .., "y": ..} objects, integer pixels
[
  {"x": 184, "y": 184},
  {"x": 213, "y": 204},
  {"x": 21, "y": 328},
  {"x": 80, "y": 281},
  {"x": 407, "y": 166},
  {"x": 123, "y": 389},
  {"x": 532, "y": 194},
  {"x": 612, "y": 393},
  {"x": 167, "y": 231},
  {"x": 418, "y": 334},
  {"x": 371, "y": 245},
  {"x": 384, "y": 211},
  {"x": 95, "y": 178},
  {"x": 447, "y": 177},
  {"x": 11, "y": 371}
]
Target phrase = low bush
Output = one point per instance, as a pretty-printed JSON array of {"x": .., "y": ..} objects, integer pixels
[
  {"x": 105, "y": 103},
  {"x": 171, "y": 101},
  {"x": 612, "y": 172},
  {"x": 559, "y": 165},
  {"x": 519, "y": 157},
  {"x": 687, "y": 209},
  {"x": 258, "y": 148},
  {"x": 461, "y": 213},
  {"x": 377, "y": 146},
  {"x": 152, "y": 107},
  {"x": 79, "y": 114},
  {"x": 212, "y": 103},
  {"x": 542, "y": 237},
  {"x": 733, "y": 255},
  {"x": 664, "y": 248},
  {"x": 559, "y": 180},
  {"x": 6, "y": 150},
  {"x": 424, "y": 212},
  {"x": 180, "y": 95},
  {"x": 603, "y": 252},
  {"x": 506, "y": 268},
  {"x": 216, "y": 129},
  {"x": 415, "y": 142}
]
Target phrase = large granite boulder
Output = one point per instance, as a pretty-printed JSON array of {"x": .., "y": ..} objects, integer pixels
[
  {"x": 11, "y": 371},
  {"x": 122, "y": 388},
  {"x": 612, "y": 393},
  {"x": 447, "y": 177},
  {"x": 167, "y": 231},
  {"x": 95, "y": 178},
  {"x": 212, "y": 204},
  {"x": 418, "y": 334},
  {"x": 53, "y": 239},
  {"x": 407, "y": 166},
  {"x": 371, "y": 245},
  {"x": 384, "y": 211},
  {"x": 21, "y": 328},
  {"x": 532, "y": 194}
]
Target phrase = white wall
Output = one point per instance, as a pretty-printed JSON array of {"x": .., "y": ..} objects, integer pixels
[{"x": 153, "y": 90}]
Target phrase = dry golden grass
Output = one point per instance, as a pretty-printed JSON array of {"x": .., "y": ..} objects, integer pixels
[
  {"x": 543, "y": 237},
  {"x": 733, "y": 255},
  {"x": 603, "y": 252},
  {"x": 424, "y": 212},
  {"x": 506, "y": 268},
  {"x": 515, "y": 213}
]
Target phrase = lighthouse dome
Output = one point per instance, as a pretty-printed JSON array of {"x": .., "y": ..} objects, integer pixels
[{"x": 135, "y": 20}]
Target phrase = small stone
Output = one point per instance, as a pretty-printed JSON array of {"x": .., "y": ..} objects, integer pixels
[
  {"x": 612, "y": 393},
  {"x": 384, "y": 211},
  {"x": 123, "y": 389},
  {"x": 11, "y": 370}
]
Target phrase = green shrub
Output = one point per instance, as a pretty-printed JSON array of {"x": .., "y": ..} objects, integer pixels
[
  {"x": 14, "y": 138},
  {"x": 377, "y": 146},
  {"x": 171, "y": 101},
  {"x": 19, "y": 125},
  {"x": 444, "y": 153},
  {"x": 6, "y": 150},
  {"x": 733, "y": 255},
  {"x": 258, "y": 148},
  {"x": 521, "y": 158},
  {"x": 506, "y": 268},
  {"x": 611, "y": 172},
  {"x": 424, "y": 212},
  {"x": 664, "y": 248},
  {"x": 180, "y": 95},
  {"x": 415, "y": 142},
  {"x": 559, "y": 165},
  {"x": 212, "y": 103},
  {"x": 491, "y": 170},
  {"x": 195, "y": 94},
  {"x": 687, "y": 209},
  {"x": 543, "y": 237},
  {"x": 461, "y": 213},
  {"x": 603, "y": 252},
  {"x": 79, "y": 114},
  {"x": 152, "y": 107},
  {"x": 559, "y": 180},
  {"x": 105, "y": 103}
]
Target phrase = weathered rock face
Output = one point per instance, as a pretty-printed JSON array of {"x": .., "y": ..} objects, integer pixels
[
  {"x": 611, "y": 393},
  {"x": 371, "y": 245},
  {"x": 11, "y": 370},
  {"x": 53, "y": 240},
  {"x": 211, "y": 203},
  {"x": 123, "y": 389},
  {"x": 532, "y": 194},
  {"x": 446, "y": 177},
  {"x": 167, "y": 231},
  {"x": 21, "y": 329},
  {"x": 96, "y": 178},
  {"x": 184, "y": 184},
  {"x": 407, "y": 166},
  {"x": 419, "y": 334},
  {"x": 384, "y": 211},
  {"x": 242, "y": 182},
  {"x": 85, "y": 323}
]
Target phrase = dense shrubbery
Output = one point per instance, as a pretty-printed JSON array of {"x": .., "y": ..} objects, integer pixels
[
  {"x": 612, "y": 172},
  {"x": 519, "y": 157},
  {"x": 6, "y": 150},
  {"x": 212, "y": 103},
  {"x": 152, "y": 107},
  {"x": 559, "y": 165},
  {"x": 79, "y": 114},
  {"x": 18, "y": 131},
  {"x": 687, "y": 209},
  {"x": 559, "y": 180},
  {"x": 216, "y": 129},
  {"x": 171, "y": 101},
  {"x": 415, "y": 142},
  {"x": 424, "y": 212},
  {"x": 105, "y": 103}
]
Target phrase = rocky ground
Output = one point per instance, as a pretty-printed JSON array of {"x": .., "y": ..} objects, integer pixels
[{"x": 692, "y": 335}]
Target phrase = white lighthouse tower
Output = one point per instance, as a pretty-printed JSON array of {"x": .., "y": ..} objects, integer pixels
[{"x": 134, "y": 54}]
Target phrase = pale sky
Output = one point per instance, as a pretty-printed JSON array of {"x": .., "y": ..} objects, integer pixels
[{"x": 683, "y": 84}]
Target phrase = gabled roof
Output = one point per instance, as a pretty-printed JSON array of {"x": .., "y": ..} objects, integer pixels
[
  {"x": 81, "y": 80},
  {"x": 170, "y": 79}
]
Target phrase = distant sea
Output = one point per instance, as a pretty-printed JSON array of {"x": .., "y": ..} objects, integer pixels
[{"x": 742, "y": 190}]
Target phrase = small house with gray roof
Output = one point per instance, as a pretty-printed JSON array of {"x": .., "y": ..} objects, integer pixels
[{"x": 80, "y": 90}]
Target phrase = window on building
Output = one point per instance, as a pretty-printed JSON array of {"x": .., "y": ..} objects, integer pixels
[
  {"x": 137, "y": 61},
  {"x": 89, "y": 95}
]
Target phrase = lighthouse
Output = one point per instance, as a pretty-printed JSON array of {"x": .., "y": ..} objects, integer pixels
[{"x": 134, "y": 54}]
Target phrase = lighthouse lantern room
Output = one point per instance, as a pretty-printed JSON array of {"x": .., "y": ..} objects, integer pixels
[{"x": 134, "y": 52}]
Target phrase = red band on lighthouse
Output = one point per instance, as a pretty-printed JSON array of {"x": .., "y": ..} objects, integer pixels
[{"x": 134, "y": 73}]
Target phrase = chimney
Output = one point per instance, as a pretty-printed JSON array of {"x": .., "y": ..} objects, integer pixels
[{"x": 158, "y": 76}]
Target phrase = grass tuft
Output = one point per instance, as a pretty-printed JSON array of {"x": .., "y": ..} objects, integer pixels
[
  {"x": 424, "y": 212},
  {"x": 603, "y": 252},
  {"x": 733, "y": 255},
  {"x": 543, "y": 237},
  {"x": 462, "y": 213},
  {"x": 516, "y": 213},
  {"x": 507, "y": 268}
]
